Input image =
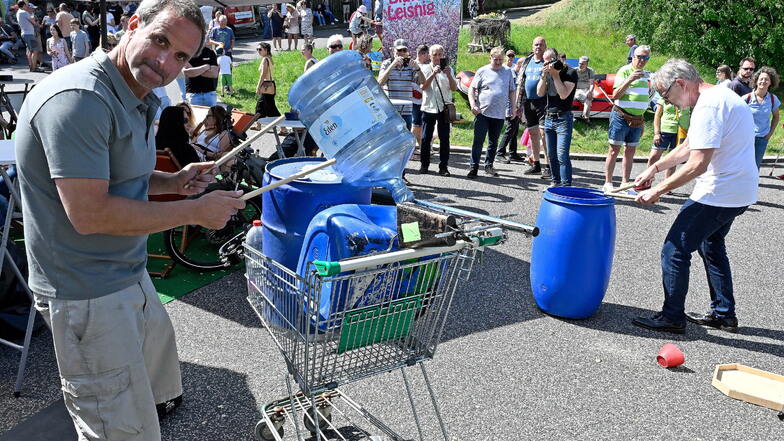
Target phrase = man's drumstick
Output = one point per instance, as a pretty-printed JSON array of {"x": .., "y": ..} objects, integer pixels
[
  {"x": 622, "y": 188},
  {"x": 295, "y": 176}
]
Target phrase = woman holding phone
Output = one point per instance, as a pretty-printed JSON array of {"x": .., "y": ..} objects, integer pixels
[{"x": 439, "y": 82}]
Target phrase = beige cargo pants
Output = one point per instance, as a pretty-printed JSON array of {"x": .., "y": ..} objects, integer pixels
[{"x": 117, "y": 358}]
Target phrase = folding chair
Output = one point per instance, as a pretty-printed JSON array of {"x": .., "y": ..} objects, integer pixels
[
  {"x": 165, "y": 161},
  {"x": 7, "y": 158}
]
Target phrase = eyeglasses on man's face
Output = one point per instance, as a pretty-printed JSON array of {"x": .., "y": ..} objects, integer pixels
[
  {"x": 643, "y": 57},
  {"x": 335, "y": 46},
  {"x": 666, "y": 94}
]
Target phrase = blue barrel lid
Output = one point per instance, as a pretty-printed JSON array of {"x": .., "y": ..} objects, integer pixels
[
  {"x": 578, "y": 196},
  {"x": 284, "y": 168}
]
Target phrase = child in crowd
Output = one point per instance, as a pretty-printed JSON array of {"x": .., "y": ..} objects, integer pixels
[
  {"x": 80, "y": 41},
  {"x": 224, "y": 62}
]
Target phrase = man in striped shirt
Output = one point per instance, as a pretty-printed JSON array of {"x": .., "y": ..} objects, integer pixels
[
  {"x": 631, "y": 97},
  {"x": 397, "y": 78}
]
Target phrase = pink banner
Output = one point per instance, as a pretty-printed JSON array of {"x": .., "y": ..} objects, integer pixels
[{"x": 422, "y": 22}]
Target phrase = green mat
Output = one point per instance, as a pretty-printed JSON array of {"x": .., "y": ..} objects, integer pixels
[{"x": 181, "y": 280}]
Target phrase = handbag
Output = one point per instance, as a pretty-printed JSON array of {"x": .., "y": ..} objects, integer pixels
[
  {"x": 449, "y": 108},
  {"x": 634, "y": 121}
]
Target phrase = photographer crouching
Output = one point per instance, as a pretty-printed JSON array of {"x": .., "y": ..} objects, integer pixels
[{"x": 557, "y": 85}]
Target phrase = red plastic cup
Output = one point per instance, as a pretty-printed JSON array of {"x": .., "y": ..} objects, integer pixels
[{"x": 670, "y": 356}]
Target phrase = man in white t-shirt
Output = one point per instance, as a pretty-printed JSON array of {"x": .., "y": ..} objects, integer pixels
[{"x": 719, "y": 153}]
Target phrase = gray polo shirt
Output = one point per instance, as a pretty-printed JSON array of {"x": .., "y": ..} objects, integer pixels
[
  {"x": 83, "y": 122},
  {"x": 493, "y": 87}
]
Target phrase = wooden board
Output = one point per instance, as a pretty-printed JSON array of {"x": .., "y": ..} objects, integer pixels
[{"x": 751, "y": 385}]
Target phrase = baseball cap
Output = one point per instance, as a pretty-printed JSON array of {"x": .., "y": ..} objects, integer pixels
[
  {"x": 510, "y": 53},
  {"x": 400, "y": 44},
  {"x": 362, "y": 9}
]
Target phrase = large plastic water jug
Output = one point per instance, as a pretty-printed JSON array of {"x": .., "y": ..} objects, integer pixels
[
  {"x": 352, "y": 120},
  {"x": 571, "y": 258},
  {"x": 288, "y": 209}
]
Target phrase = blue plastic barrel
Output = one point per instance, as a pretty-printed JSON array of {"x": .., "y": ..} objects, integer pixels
[
  {"x": 288, "y": 209},
  {"x": 572, "y": 256}
]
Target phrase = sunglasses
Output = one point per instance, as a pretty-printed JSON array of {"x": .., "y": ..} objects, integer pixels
[
  {"x": 643, "y": 57},
  {"x": 335, "y": 46}
]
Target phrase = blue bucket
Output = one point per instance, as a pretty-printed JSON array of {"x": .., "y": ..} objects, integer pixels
[
  {"x": 571, "y": 258},
  {"x": 288, "y": 209}
]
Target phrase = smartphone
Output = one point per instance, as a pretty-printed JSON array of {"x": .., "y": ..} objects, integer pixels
[
  {"x": 444, "y": 63},
  {"x": 406, "y": 60}
]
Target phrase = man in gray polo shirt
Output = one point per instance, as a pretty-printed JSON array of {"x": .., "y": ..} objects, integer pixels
[{"x": 86, "y": 152}]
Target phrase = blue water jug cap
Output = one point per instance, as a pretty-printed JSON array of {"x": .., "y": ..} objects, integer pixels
[{"x": 577, "y": 196}]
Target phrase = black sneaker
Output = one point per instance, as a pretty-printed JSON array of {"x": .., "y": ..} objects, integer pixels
[
  {"x": 659, "y": 323},
  {"x": 546, "y": 172},
  {"x": 709, "y": 319},
  {"x": 443, "y": 171},
  {"x": 473, "y": 172},
  {"x": 515, "y": 157},
  {"x": 423, "y": 170},
  {"x": 167, "y": 407},
  {"x": 534, "y": 169}
]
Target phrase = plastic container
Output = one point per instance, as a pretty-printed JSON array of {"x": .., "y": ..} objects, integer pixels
[
  {"x": 345, "y": 231},
  {"x": 571, "y": 258},
  {"x": 253, "y": 239},
  {"x": 288, "y": 209},
  {"x": 352, "y": 120}
]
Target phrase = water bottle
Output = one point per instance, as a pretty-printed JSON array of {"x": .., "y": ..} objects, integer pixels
[
  {"x": 253, "y": 267},
  {"x": 352, "y": 120}
]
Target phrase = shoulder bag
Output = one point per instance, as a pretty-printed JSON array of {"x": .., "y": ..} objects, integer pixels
[{"x": 449, "y": 108}]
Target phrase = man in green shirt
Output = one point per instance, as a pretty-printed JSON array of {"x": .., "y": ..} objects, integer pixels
[{"x": 630, "y": 94}]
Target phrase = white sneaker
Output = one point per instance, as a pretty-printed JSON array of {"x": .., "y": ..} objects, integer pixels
[{"x": 607, "y": 187}]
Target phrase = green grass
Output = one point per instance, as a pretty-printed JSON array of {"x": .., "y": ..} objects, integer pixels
[{"x": 606, "y": 49}]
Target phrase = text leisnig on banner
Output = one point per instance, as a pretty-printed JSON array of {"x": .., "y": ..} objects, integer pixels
[{"x": 422, "y": 22}]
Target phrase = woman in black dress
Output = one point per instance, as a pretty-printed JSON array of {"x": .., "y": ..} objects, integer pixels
[{"x": 173, "y": 134}]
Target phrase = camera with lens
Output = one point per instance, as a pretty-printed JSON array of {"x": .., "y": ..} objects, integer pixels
[
  {"x": 443, "y": 63},
  {"x": 406, "y": 60},
  {"x": 556, "y": 64}
]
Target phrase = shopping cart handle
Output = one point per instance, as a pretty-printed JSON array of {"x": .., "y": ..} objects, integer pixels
[{"x": 325, "y": 268}]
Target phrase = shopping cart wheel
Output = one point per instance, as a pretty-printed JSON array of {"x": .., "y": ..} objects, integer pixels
[
  {"x": 264, "y": 433},
  {"x": 325, "y": 417}
]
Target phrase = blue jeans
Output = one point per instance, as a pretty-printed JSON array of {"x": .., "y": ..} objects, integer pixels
[
  {"x": 558, "y": 135},
  {"x": 620, "y": 133},
  {"x": 760, "y": 145},
  {"x": 485, "y": 127},
  {"x": 408, "y": 119},
  {"x": 207, "y": 99},
  {"x": 700, "y": 228}
]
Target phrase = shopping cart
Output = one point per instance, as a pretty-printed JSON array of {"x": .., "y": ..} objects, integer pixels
[{"x": 353, "y": 319}]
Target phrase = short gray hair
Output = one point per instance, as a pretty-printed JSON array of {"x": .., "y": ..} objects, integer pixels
[
  {"x": 673, "y": 69},
  {"x": 435, "y": 48},
  {"x": 335, "y": 38},
  {"x": 550, "y": 52},
  {"x": 643, "y": 47},
  {"x": 187, "y": 9},
  {"x": 631, "y": 37},
  {"x": 584, "y": 58}
]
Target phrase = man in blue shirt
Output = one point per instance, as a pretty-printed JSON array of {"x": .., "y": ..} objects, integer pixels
[
  {"x": 223, "y": 36},
  {"x": 631, "y": 41},
  {"x": 532, "y": 104}
]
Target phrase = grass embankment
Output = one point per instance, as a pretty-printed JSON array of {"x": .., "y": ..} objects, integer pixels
[{"x": 601, "y": 43}]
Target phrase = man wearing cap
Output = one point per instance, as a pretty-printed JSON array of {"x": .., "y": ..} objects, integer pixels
[
  {"x": 397, "y": 77},
  {"x": 28, "y": 25},
  {"x": 356, "y": 25}
]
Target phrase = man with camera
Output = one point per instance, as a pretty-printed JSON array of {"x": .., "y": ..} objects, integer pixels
[
  {"x": 491, "y": 91},
  {"x": 532, "y": 104},
  {"x": 558, "y": 86},
  {"x": 631, "y": 95},
  {"x": 397, "y": 77}
]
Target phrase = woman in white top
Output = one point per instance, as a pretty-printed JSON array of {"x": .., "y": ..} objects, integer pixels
[
  {"x": 436, "y": 92},
  {"x": 723, "y": 75},
  {"x": 306, "y": 20},
  {"x": 56, "y": 47},
  {"x": 292, "y": 25},
  {"x": 214, "y": 140}
]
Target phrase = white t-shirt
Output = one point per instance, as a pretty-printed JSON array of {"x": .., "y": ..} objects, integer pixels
[
  {"x": 23, "y": 18},
  {"x": 721, "y": 120},
  {"x": 224, "y": 61}
]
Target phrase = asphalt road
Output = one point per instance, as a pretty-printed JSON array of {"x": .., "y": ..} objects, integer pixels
[{"x": 505, "y": 370}]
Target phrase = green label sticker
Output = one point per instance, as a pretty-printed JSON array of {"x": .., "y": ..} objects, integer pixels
[{"x": 410, "y": 232}]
